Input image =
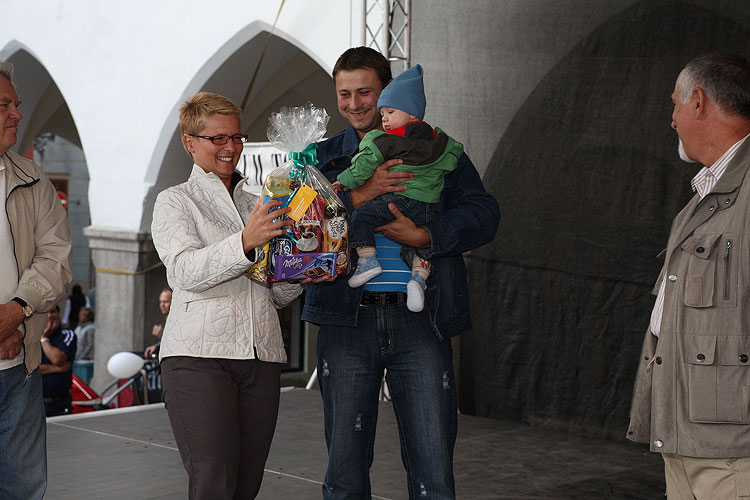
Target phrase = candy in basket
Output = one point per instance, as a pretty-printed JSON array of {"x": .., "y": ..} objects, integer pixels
[{"x": 316, "y": 243}]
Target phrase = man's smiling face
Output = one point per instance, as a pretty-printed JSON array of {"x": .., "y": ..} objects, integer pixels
[{"x": 358, "y": 93}]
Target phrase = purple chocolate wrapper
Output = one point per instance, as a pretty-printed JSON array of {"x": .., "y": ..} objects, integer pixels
[{"x": 304, "y": 265}]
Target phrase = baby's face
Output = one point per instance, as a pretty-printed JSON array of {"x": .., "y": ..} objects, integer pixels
[{"x": 395, "y": 118}]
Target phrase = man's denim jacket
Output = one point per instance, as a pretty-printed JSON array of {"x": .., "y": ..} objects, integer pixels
[{"x": 469, "y": 219}]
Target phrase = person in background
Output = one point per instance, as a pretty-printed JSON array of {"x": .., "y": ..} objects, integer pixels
[
  {"x": 85, "y": 332},
  {"x": 73, "y": 305},
  {"x": 35, "y": 263},
  {"x": 366, "y": 330},
  {"x": 58, "y": 352},
  {"x": 165, "y": 302},
  {"x": 83, "y": 365}
]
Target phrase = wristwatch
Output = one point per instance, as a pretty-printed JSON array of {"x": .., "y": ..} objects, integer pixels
[{"x": 27, "y": 310}]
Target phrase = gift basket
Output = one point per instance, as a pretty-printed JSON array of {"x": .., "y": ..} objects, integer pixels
[{"x": 316, "y": 243}]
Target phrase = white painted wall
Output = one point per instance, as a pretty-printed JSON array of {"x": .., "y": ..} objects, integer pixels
[{"x": 123, "y": 68}]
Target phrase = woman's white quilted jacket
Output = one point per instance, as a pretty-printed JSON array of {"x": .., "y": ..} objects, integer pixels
[{"x": 217, "y": 310}]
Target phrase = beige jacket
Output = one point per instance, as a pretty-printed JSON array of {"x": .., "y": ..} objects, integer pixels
[
  {"x": 692, "y": 391},
  {"x": 217, "y": 310},
  {"x": 42, "y": 246}
]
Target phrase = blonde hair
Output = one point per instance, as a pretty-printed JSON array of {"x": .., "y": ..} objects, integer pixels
[{"x": 194, "y": 112}]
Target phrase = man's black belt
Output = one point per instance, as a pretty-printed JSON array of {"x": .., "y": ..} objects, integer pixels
[{"x": 383, "y": 298}]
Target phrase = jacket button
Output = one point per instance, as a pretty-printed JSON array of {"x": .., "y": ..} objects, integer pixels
[
  {"x": 743, "y": 358},
  {"x": 658, "y": 443},
  {"x": 727, "y": 201},
  {"x": 711, "y": 208},
  {"x": 658, "y": 360},
  {"x": 646, "y": 358},
  {"x": 672, "y": 278},
  {"x": 701, "y": 357},
  {"x": 700, "y": 250}
]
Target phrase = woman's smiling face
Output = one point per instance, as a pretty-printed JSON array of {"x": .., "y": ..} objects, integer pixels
[{"x": 221, "y": 160}]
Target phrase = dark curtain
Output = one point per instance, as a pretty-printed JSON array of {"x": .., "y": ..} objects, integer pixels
[{"x": 588, "y": 181}]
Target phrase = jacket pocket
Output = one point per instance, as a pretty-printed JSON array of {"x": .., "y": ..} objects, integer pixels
[
  {"x": 700, "y": 280},
  {"x": 215, "y": 317},
  {"x": 728, "y": 270},
  {"x": 718, "y": 378}
]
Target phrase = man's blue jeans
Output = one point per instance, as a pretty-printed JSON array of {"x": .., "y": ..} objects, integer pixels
[
  {"x": 23, "y": 435},
  {"x": 421, "y": 382}
]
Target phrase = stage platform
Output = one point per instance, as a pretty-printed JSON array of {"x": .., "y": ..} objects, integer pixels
[{"x": 130, "y": 454}]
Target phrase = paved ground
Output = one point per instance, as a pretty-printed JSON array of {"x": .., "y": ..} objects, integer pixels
[{"x": 130, "y": 454}]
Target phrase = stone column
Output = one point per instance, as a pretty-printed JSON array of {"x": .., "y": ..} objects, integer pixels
[{"x": 129, "y": 278}]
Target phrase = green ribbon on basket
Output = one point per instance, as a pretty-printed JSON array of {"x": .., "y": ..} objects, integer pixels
[
  {"x": 300, "y": 159},
  {"x": 307, "y": 157}
]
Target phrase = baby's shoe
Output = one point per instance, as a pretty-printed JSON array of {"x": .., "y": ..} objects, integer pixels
[
  {"x": 367, "y": 269},
  {"x": 415, "y": 293}
]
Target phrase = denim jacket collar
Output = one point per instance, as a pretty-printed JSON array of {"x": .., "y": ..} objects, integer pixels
[
  {"x": 343, "y": 144},
  {"x": 351, "y": 141}
]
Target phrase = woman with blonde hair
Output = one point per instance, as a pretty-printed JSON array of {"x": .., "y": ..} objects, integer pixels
[{"x": 222, "y": 349}]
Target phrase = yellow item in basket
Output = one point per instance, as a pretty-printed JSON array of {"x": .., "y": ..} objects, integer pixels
[{"x": 301, "y": 201}]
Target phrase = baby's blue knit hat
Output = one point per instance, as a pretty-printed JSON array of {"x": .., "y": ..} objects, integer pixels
[{"x": 405, "y": 92}]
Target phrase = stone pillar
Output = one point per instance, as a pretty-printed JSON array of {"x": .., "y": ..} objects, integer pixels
[{"x": 129, "y": 278}]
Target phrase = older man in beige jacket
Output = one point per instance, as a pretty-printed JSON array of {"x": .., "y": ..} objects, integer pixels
[{"x": 692, "y": 392}]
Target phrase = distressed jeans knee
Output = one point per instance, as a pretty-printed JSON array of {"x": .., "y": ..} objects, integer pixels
[{"x": 420, "y": 378}]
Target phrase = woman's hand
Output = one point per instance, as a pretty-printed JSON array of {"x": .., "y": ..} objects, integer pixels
[{"x": 260, "y": 226}]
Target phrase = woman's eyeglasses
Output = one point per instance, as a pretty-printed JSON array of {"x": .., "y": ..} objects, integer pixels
[{"x": 220, "y": 140}]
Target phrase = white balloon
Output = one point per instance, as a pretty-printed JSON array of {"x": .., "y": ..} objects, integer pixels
[{"x": 124, "y": 364}]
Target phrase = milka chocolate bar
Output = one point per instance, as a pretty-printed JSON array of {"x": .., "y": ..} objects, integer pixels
[{"x": 304, "y": 265}]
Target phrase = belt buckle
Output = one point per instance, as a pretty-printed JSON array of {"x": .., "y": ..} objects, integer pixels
[
  {"x": 373, "y": 299},
  {"x": 380, "y": 299}
]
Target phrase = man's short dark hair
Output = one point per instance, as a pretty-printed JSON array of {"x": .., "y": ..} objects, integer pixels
[
  {"x": 724, "y": 77},
  {"x": 364, "y": 58}
]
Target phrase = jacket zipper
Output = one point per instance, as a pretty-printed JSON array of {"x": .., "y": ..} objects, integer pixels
[
  {"x": 13, "y": 246},
  {"x": 727, "y": 253}
]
